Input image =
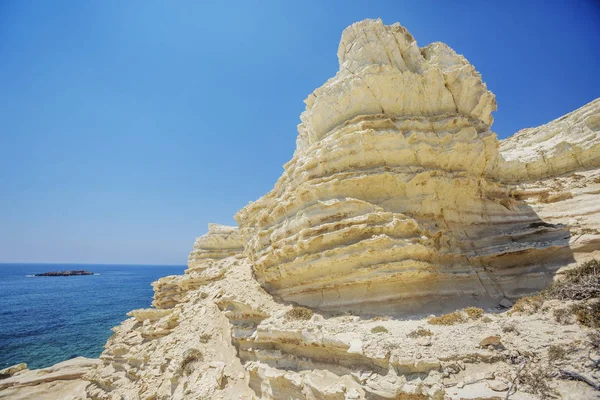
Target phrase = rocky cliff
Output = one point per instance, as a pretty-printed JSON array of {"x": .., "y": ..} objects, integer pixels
[
  {"x": 386, "y": 206},
  {"x": 398, "y": 201}
]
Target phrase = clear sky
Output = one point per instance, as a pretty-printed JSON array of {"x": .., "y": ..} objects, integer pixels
[{"x": 127, "y": 126}]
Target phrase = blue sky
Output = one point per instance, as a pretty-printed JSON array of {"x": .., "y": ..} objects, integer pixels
[{"x": 127, "y": 126}]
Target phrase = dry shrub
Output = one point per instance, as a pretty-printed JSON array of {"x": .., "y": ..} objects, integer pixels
[
  {"x": 203, "y": 295},
  {"x": 588, "y": 314},
  {"x": 528, "y": 304},
  {"x": 420, "y": 333},
  {"x": 486, "y": 319},
  {"x": 474, "y": 312},
  {"x": 556, "y": 353},
  {"x": 379, "y": 329},
  {"x": 190, "y": 358},
  {"x": 299, "y": 313},
  {"x": 563, "y": 315},
  {"x": 204, "y": 338},
  {"x": 535, "y": 381},
  {"x": 597, "y": 180},
  {"x": 580, "y": 283},
  {"x": 447, "y": 319}
]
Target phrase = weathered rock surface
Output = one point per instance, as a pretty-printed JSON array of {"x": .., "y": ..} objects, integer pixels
[
  {"x": 221, "y": 241},
  {"x": 64, "y": 380},
  {"x": 567, "y": 144},
  {"x": 386, "y": 206}
]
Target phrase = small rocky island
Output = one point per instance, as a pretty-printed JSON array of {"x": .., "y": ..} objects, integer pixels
[{"x": 66, "y": 273}]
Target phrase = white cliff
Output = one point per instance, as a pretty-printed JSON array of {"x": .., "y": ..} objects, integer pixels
[{"x": 386, "y": 206}]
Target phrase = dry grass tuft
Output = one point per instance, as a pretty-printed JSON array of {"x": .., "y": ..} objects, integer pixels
[
  {"x": 588, "y": 314},
  {"x": 191, "y": 357},
  {"x": 421, "y": 332},
  {"x": 528, "y": 304},
  {"x": 447, "y": 319},
  {"x": 556, "y": 353},
  {"x": 474, "y": 312},
  {"x": 205, "y": 337},
  {"x": 299, "y": 313},
  {"x": 379, "y": 329},
  {"x": 486, "y": 319},
  {"x": 563, "y": 315}
]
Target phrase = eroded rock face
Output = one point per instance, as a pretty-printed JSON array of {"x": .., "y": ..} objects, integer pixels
[
  {"x": 220, "y": 242},
  {"x": 565, "y": 145},
  {"x": 386, "y": 206}
]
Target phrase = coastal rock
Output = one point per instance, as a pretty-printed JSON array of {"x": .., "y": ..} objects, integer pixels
[
  {"x": 386, "y": 206},
  {"x": 64, "y": 380},
  {"x": 220, "y": 242},
  {"x": 10, "y": 371},
  {"x": 66, "y": 273}
]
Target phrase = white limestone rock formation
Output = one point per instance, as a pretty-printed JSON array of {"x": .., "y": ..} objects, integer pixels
[
  {"x": 567, "y": 144},
  {"x": 64, "y": 380},
  {"x": 555, "y": 168},
  {"x": 220, "y": 242},
  {"x": 386, "y": 206}
]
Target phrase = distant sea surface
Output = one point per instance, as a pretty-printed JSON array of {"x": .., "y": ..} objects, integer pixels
[{"x": 45, "y": 320}]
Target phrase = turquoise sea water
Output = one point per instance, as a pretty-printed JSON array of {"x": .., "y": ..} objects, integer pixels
[{"x": 45, "y": 320}]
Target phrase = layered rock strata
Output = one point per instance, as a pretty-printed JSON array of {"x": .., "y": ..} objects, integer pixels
[
  {"x": 65, "y": 380},
  {"x": 567, "y": 144},
  {"x": 386, "y": 206},
  {"x": 220, "y": 242},
  {"x": 555, "y": 168}
]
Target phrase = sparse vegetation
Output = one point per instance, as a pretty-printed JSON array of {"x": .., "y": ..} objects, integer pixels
[
  {"x": 379, "y": 329},
  {"x": 191, "y": 357},
  {"x": 556, "y": 353},
  {"x": 299, "y": 313},
  {"x": 447, "y": 319},
  {"x": 580, "y": 283},
  {"x": 528, "y": 304},
  {"x": 535, "y": 381},
  {"x": 203, "y": 295},
  {"x": 588, "y": 314},
  {"x": 474, "y": 312},
  {"x": 486, "y": 319},
  {"x": 420, "y": 332},
  {"x": 562, "y": 315},
  {"x": 205, "y": 337}
]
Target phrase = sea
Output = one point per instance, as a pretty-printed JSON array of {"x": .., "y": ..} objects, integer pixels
[{"x": 45, "y": 320}]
